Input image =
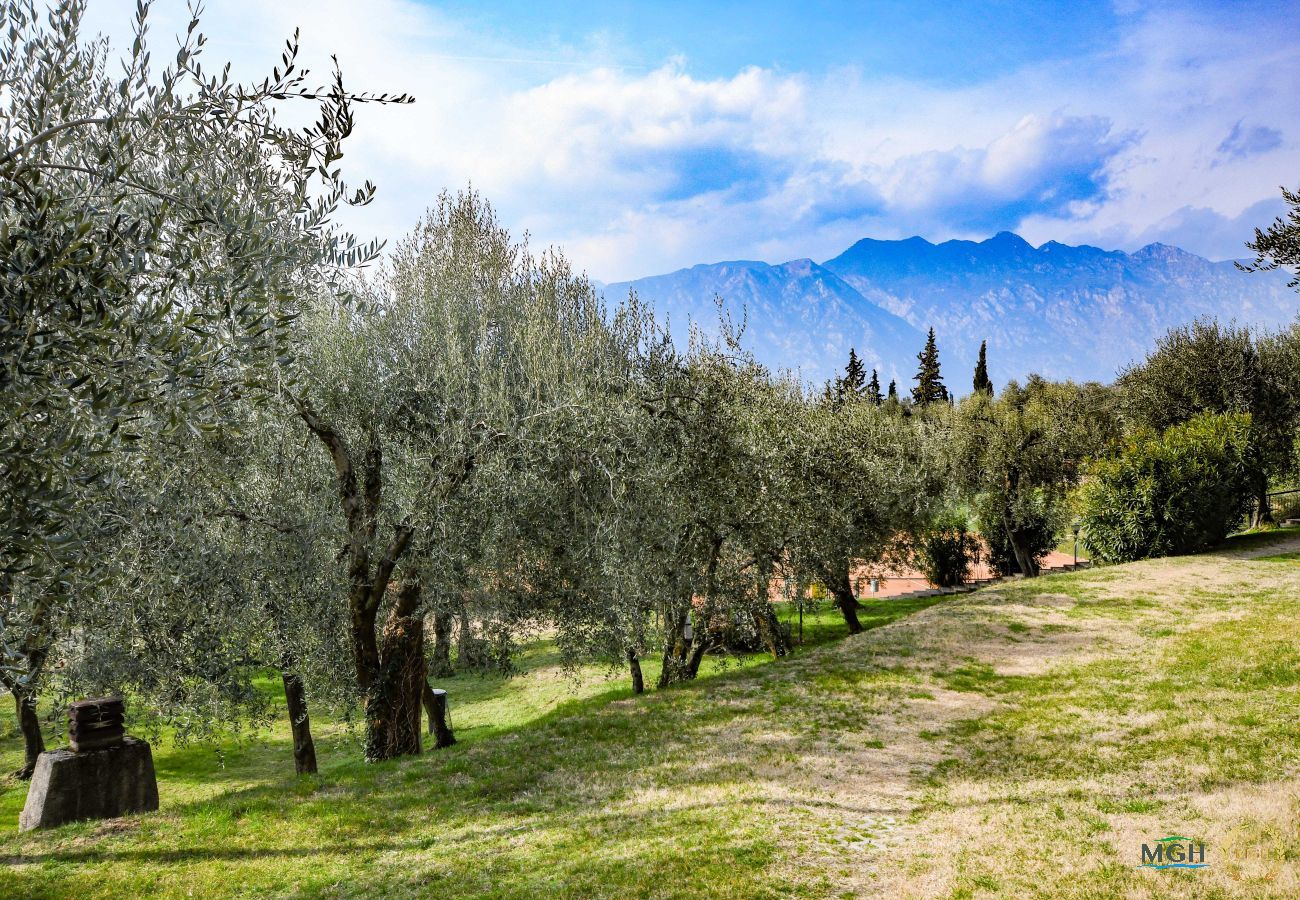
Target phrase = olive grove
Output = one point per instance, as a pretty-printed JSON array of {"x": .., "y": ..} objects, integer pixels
[{"x": 237, "y": 441}]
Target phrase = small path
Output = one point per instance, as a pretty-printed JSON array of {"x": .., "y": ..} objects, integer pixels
[{"x": 1012, "y": 629}]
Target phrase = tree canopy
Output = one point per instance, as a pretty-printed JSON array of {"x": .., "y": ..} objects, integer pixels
[{"x": 162, "y": 231}]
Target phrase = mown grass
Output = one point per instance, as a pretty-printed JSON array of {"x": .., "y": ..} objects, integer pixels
[
  {"x": 1192, "y": 731},
  {"x": 1024, "y": 740},
  {"x": 536, "y": 799}
]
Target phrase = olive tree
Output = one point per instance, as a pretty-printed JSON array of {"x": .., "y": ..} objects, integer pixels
[
  {"x": 719, "y": 507},
  {"x": 160, "y": 228},
  {"x": 686, "y": 518},
  {"x": 426, "y": 401},
  {"x": 1278, "y": 246},
  {"x": 1019, "y": 454},
  {"x": 865, "y": 477},
  {"x": 223, "y": 546}
]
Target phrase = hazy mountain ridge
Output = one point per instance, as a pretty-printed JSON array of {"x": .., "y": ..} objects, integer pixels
[
  {"x": 1064, "y": 311},
  {"x": 797, "y": 315}
]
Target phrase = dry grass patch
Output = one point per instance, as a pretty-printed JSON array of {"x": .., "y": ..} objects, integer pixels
[{"x": 1173, "y": 715}]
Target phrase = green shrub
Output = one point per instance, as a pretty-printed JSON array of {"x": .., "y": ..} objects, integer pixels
[
  {"x": 1167, "y": 493},
  {"x": 945, "y": 552}
]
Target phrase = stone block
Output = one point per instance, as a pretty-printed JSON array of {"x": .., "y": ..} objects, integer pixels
[
  {"x": 96, "y": 723},
  {"x": 93, "y": 784}
]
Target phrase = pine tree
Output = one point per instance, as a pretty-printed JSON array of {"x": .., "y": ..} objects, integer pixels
[
  {"x": 893, "y": 390},
  {"x": 929, "y": 383},
  {"x": 854, "y": 377},
  {"x": 982, "y": 383},
  {"x": 873, "y": 389}
]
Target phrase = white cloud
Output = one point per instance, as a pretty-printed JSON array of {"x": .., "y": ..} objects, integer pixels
[{"x": 635, "y": 172}]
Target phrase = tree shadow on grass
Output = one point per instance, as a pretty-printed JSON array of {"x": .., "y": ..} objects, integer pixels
[
  {"x": 574, "y": 770},
  {"x": 628, "y": 822}
]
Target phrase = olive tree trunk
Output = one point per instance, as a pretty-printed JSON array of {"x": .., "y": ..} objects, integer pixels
[
  {"x": 702, "y": 646},
  {"x": 440, "y": 665},
  {"x": 304, "y": 748},
  {"x": 33, "y": 650},
  {"x": 841, "y": 587},
  {"x": 634, "y": 664},
  {"x": 393, "y": 708},
  {"x": 684, "y": 647},
  {"x": 370, "y": 566},
  {"x": 774, "y": 637},
  {"x": 1263, "y": 514},
  {"x": 30, "y": 726},
  {"x": 471, "y": 650},
  {"x": 1024, "y": 559}
]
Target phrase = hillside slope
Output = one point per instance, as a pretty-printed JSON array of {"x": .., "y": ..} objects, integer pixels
[{"x": 1023, "y": 740}]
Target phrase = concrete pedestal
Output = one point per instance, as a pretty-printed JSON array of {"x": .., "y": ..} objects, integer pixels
[{"x": 93, "y": 784}]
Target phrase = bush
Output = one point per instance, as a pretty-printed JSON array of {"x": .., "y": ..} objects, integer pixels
[
  {"x": 945, "y": 553},
  {"x": 1167, "y": 493}
]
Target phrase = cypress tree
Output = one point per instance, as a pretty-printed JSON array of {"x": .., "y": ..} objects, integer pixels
[
  {"x": 873, "y": 389},
  {"x": 982, "y": 383},
  {"x": 929, "y": 383}
]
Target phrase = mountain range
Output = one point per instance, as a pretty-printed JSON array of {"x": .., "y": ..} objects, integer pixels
[{"x": 1058, "y": 310}]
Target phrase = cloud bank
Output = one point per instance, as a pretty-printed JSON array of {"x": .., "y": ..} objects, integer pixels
[{"x": 1179, "y": 132}]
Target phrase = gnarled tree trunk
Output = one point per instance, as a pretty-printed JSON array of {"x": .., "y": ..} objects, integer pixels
[
  {"x": 678, "y": 643},
  {"x": 471, "y": 650},
  {"x": 1028, "y": 564},
  {"x": 304, "y": 748},
  {"x": 841, "y": 587},
  {"x": 394, "y": 704},
  {"x": 440, "y": 665},
  {"x": 1263, "y": 513},
  {"x": 34, "y": 650},
  {"x": 774, "y": 637},
  {"x": 360, "y": 498},
  {"x": 1024, "y": 559},
  {"x": 702, "y": 646}
]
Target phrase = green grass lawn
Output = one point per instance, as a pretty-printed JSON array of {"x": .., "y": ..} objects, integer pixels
[
  {"x": 1022, "y": 740},
  {"x": 224, "y": 806}
]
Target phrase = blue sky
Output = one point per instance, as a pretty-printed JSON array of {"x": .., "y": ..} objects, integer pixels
[
  {"x": 946, "y": 43},
  {"x": 643, "y": 137}
]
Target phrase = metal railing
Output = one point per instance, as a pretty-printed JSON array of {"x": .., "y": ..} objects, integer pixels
[{"x": 1273, "y": 505}]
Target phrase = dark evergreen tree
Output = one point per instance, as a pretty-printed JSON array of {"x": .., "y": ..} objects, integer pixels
[
  {"x": 929, "y": 383},
  {"x": 873, "y": 389},
  {"x": 893, "y": 389},
  {"x": 855, "y": 376},
  {"x": 982, "y": 383}
]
